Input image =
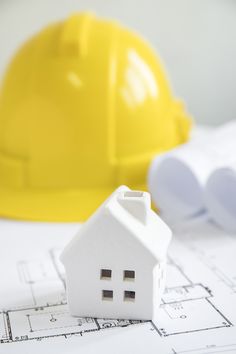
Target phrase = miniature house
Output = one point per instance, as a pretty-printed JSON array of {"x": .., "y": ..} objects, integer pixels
[{"x": 115, "y": 265}]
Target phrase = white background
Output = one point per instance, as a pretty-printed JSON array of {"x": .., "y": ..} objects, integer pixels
[{"x": 195, "y": 38}]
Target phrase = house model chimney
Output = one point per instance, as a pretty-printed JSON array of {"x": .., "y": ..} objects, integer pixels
[{"x": 136, "y": 203}]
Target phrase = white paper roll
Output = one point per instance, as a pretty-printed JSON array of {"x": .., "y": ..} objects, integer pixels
[
  {"x": 177, "y": 179},
  {"x": 220, "y": 197}
]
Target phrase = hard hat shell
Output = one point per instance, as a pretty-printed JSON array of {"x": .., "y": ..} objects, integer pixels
[{"x": 84, "y": 107}]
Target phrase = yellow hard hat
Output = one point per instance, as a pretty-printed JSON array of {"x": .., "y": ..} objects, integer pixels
[{"x": 84, "y": 107}]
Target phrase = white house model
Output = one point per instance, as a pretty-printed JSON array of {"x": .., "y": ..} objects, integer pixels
[{"x": 115, "y": 265}]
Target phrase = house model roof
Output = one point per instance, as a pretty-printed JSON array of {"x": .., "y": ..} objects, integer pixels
[{"x": 133, "y": 210}]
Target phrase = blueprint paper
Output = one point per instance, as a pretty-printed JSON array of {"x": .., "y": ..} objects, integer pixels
[{"x": 197, "y": 314}]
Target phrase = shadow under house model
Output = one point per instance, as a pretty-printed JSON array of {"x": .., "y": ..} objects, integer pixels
[{"x": 115, "y": 265}]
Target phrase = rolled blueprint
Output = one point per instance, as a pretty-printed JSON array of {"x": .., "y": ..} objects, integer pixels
[
  {"x": 177, "y": 178},
  {"x": 220, "y": 197}
]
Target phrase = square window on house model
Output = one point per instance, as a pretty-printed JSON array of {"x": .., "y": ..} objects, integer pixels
[
  {"x": 105, "y": 273},
  {"x": 107, "y": 294},
  {"x": 129, "y": 275},
  {"x": 129, "y": 295}
]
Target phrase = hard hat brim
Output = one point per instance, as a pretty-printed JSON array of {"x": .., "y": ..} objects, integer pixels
[{"x": 53, "y": 206}]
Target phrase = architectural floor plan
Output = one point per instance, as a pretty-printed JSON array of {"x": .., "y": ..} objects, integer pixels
[{"x": 197, "y": 312}]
